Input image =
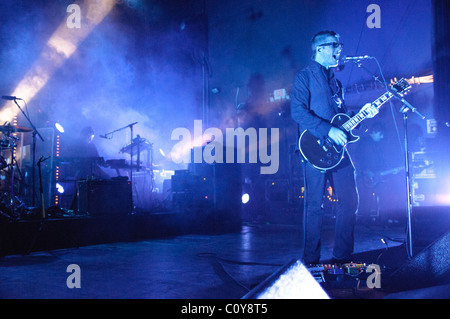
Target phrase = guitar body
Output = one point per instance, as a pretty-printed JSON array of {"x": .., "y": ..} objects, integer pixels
[{"x": 325, "y": 155}]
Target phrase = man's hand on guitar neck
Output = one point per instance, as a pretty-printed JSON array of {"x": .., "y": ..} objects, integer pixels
[{"x": 337, "y": 136}]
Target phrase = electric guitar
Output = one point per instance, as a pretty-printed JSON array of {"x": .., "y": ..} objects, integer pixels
[
  {"x": 325, "y": 154},
  {"x": 372, "y": 179}
]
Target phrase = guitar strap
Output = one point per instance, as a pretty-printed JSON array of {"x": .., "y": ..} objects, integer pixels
[{"x": 329, "y": 82}]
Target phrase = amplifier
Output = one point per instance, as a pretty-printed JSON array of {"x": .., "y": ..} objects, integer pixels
[{"x": 104, "y": 197}]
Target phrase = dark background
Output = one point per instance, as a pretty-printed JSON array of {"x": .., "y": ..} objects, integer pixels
[{"x": 165, "y": 63}]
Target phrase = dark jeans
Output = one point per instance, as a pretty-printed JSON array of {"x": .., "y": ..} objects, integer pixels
[{"x": 342, "y": 179}]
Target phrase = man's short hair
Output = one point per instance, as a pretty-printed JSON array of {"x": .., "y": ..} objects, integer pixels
[{"x": 319, "y": 37}]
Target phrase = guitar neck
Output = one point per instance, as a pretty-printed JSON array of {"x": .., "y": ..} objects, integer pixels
[{"x": 362, "y": 115}]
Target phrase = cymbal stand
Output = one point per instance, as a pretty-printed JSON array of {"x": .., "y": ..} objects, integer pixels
[
  {"x": 44, "y": 220},
  {"x": 138, "y": 155},
  {"x": 13, "y": 206},
  {"x": 11, "y": 145},
  {"x": 11, "y": 214},
  {"x": 131, "y": 157},
  {"x": 41, "y": 189},
  {"x": 35, "y": 132}
]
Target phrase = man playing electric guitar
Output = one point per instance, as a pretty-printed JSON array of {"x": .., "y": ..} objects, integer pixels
[{"x": 316, "y": 97}]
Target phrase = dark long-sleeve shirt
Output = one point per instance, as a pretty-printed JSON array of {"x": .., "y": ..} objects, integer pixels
[{"x": 315, "y": 98}]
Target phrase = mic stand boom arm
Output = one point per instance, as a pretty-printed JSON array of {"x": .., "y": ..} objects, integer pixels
[
  {"x": 395, "y": 94},
  {"x": 120, "y": 129}
]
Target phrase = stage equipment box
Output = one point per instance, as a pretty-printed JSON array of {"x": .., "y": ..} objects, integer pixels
[{"x": 104, "y": 197}]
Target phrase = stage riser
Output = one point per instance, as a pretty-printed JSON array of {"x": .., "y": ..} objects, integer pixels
[{"x": 32, "y": 235}]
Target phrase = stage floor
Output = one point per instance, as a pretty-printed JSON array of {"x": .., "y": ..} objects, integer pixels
[{"x": 189, "y": 266}]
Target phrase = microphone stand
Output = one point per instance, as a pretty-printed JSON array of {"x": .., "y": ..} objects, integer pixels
[
  {"x": 131, "y": 147},
  {"x": 404, "y": 110},
  {"x": 35, "y": 132}
]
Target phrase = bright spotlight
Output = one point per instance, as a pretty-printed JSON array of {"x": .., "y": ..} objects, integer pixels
[
  {"x": 59, "y": 188},
  {"x": 59, "y": 127},
  {"x": 245, "y": 198}
]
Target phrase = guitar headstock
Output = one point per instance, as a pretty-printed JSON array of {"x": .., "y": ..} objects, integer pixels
[{"x": 401, "y": 86}]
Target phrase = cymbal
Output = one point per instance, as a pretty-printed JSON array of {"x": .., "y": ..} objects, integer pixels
[{"x": 14, "y": 129}]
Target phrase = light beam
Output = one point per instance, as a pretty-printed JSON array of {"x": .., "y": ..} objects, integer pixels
[{"x": 60, "y": 47}]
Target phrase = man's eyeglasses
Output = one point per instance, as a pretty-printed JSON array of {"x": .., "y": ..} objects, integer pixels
[{"x": 334, "y": 44}]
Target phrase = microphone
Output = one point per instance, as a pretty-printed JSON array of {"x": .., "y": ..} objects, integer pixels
[
  {"x": 349, "y": 58},
  {"x": 10, "y": 98},
  {"x": 103, "y": 136}
]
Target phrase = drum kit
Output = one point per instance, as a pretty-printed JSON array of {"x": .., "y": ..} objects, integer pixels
[
  {"x": 10, "y": 203},
  {"x": 12, "y": 182}
]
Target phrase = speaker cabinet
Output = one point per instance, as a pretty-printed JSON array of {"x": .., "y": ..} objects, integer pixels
[
  {"x": 428, "y": 224},
  {"x": 103, "y": 198},
  {"x": 213, "y": 191},
  {"x": 428, "y": 268},
  {"x": 293, "y": 281}
]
